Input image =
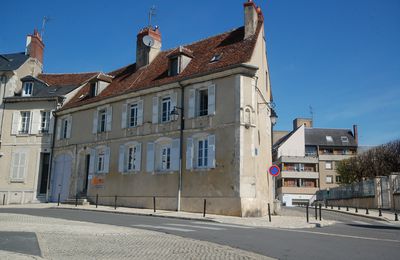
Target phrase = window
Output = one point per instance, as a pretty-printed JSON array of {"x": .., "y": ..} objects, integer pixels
[
  {"x": 132, "y": 158},
  {"x": 311, "y": 151},
  {"x": 93, "y": 89},
  {"x": 216, "y": 57},
  {"x": 202, "y": 153},
  {"x": 45, "y": 121},
  {"x": 299, "y": 167},
  {"x": 133, "y": 115},
  {"x": 338, "y": 179},
  {"x": 27, "y": 89},
  {"x": 174, "y": 66},
  {"x": 25, "y": 122},
  {"x": 203, "y": 102},
  {"x": 64, "y": 130},
  {"x": 165, "y": 158},
  {"x": 329, "y": 179},
  {"x": 165, "y": 109},
  {"x": 328, "y": 165},
  {"x": 100, "y": 162},
  {"x": 329, "y": 139},
  {"x": 344, "y": 139},
  {"x": 328, "y": 151},
  {"x": 102, "y": 120},
  {"x": 18, "y": 166}
]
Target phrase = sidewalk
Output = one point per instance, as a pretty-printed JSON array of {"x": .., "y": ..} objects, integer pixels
[
  {"x": 276, "y": 221},
  {"x": 372, "y": 213}
]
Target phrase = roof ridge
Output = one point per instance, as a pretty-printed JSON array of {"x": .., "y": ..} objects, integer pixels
[
  {"x": 320, "y": 128},
  {"x": 75, "y": 73}
]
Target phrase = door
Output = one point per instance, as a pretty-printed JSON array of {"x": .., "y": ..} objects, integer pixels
[
  {"x": 86, "y": 178},
  {"x": 44, "y": 172},
  {"x": 61, "y": 177}
]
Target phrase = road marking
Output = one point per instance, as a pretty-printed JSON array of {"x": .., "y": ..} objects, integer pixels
[
  {"x": 361, "y": 223},
  {"x": 340, "y": 235},
  {"x": 193, "y": 226},
  {"x": 163, "y": 227},
  {"x": 220, "y": 225}
]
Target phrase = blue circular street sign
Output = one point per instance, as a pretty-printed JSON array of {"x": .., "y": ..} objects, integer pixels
[{"x": 274, "y": 170}]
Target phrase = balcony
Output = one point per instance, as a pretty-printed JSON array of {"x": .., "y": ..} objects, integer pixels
[
  {"x": 297, "y": 190},
  {"x": 334, "y": 157},
  {"x": 298, "y": 159},
  {"x": 299, "y": 174}
]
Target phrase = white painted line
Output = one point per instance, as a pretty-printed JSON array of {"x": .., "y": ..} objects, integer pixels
[
  {"x": 340, "y": 235},
  {"x": 193, "y": 226},
  {"x": 361, "y": 223},
  {"x": 220, "y": 224},
  {"x": 166, "y": 228}
]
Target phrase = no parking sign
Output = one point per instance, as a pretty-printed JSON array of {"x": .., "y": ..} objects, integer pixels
[{"x": 274, "y": 170}]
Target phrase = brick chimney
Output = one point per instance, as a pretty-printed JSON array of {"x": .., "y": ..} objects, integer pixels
[
  {"x": 35, "y": 46},
  {"x": 146, "y": 54},
  {"x": 251, "y": 16},
  {"x": 355, "y": 133}
]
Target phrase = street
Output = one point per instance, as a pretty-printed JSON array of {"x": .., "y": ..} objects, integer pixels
[{"x": 351, "y": 238}]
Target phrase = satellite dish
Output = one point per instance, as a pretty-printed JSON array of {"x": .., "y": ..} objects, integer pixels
[{"x": 148, "y": 41}]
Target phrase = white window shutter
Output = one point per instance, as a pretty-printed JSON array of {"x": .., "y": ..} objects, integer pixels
[
  {"x": 174, "y": 97},
  {"x": 14, "y": 166},
  {"x": 175, "y": 155},
  {"x": 51, "y": 122},
  {"x": 109, "y": 118},
  {"x": 192, "y": 103},
  {"x": 124, "y": 116},
  {"x": 95, "y": 121},
  {"x": 138, "y": 156},
  {"x": 121, "y": 159},
  {"x": 140, "y": 112},
  {"x": 211, "y": 100},
  {"x": 15, "y": 123},
  {"x": 155, "y": 110},
  {"x": 58, "y": 134},
  {"x": 189, "y": 153},
  {"x": 150, "y": 157},
  {"x": 22, "y": 165},
  {"x": 36, "y": 122},
  {"x": 107, "y": 160},
  {"x": 69, "y": 126},
  {"x": 211, "y": 151},
  {"x": 92, "y": 161}
]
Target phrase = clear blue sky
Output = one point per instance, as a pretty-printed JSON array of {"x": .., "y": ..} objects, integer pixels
[{"x": 341, "y": 57}]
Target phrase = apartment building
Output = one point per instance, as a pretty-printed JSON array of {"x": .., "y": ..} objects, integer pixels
[
  {"x": 307, "y": 157},
  {"x": 184, "y": 124}
]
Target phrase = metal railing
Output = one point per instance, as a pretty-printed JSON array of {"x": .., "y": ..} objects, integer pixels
[{"x": 355, "y": 190}]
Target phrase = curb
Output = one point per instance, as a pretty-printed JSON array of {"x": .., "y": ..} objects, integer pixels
[
  {"x": 355, "y": 214},
  {"x": 136, "y": 214}
]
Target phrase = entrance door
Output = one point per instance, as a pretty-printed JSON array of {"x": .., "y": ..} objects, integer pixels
[
  {"x": 61, "y": 177},
  {"x": 86, "y": 178},
  {"x": 44, "y": 172}
]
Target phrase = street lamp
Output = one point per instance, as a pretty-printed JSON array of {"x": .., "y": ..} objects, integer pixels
[
  {"x": 174, "y": 116},
  {"x": 274, "y": 118}
]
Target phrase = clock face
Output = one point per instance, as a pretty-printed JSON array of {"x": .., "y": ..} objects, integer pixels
[{"x": 148, "y": 41}]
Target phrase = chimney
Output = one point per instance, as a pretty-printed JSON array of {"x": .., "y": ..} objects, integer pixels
[
  {"x": 307, "y": 122},
  {"x": 251, "y": 13},
  {"x": 355, "y": 133},
  {"x": 147, "y": 50},
  {"x": 35, "y": 46}
]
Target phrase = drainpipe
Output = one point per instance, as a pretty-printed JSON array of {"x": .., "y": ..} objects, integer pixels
[
  {"x": 3, "y": 80},
  {"x": 182, "y": 125},
  {"x": 52, "y": 152}
]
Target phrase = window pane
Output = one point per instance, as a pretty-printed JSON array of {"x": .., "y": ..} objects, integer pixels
[{"x": 203, "y": 102}]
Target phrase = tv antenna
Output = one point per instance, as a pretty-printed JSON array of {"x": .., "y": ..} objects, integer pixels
[
  {"x": 152, "y": 13},
  {"x": 45, "y": 20},
  {"x": 311, "y": 113}
]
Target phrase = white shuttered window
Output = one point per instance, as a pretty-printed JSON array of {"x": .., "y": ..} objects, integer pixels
[{"x": 18, "y": 166}]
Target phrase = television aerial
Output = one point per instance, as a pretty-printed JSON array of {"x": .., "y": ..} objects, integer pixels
[{"x": 148, "y": 41}]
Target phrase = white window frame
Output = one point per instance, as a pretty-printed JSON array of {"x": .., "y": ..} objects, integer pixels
[
  {"x": 132, "y": 160},
  {"x": 133, "y": 120},
  {"x": 327, "y": 177},
  {"x": 44, "y": 121},
  {"x": 168, "y": 101},
  {"x": 202, "y": 154},
  {"x": 102, "y": 120},
  {"x": 198, "y": 102},
  {"x": 25, "y": 122},
  {"x": 165, "y": 159},
  {"x": 328, "y": 165},
  {"x": 64, "y": 128},
  {"x": 27, "y": 89}
]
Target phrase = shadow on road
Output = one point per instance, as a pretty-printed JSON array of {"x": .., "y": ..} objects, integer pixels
[{"x": 374, "y": 226}]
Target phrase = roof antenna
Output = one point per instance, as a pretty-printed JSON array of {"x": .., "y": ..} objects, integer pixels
[
  {"x": 45, "y": 20},
  {"x": 152, "y": 13}
]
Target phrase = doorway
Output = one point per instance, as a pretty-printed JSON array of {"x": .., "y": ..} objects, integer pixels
[
  {"x": 44, "y": 173},
  {"x": 61, "y": 178}
]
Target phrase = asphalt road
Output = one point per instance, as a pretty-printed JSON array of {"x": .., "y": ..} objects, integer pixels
[{"x": 352, "y": 238}]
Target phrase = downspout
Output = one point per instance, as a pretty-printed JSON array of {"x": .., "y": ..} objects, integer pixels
[
  {"x": 182, "y": 125},
  {"x": 52, "y": 152},
  {"x": 3, "y": 80}
]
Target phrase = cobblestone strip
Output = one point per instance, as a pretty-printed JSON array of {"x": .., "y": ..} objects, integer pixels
[{"x": 64, "y": 239}]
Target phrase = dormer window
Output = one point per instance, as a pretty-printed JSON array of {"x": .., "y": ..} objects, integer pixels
[
  {"x": 27, "y": 89},
  {"x": 174, "y": 66},
  {"x": 93, "y": 89},
  {"x": 329, "y": 139},
  {"x": 216, "y": 57}
]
